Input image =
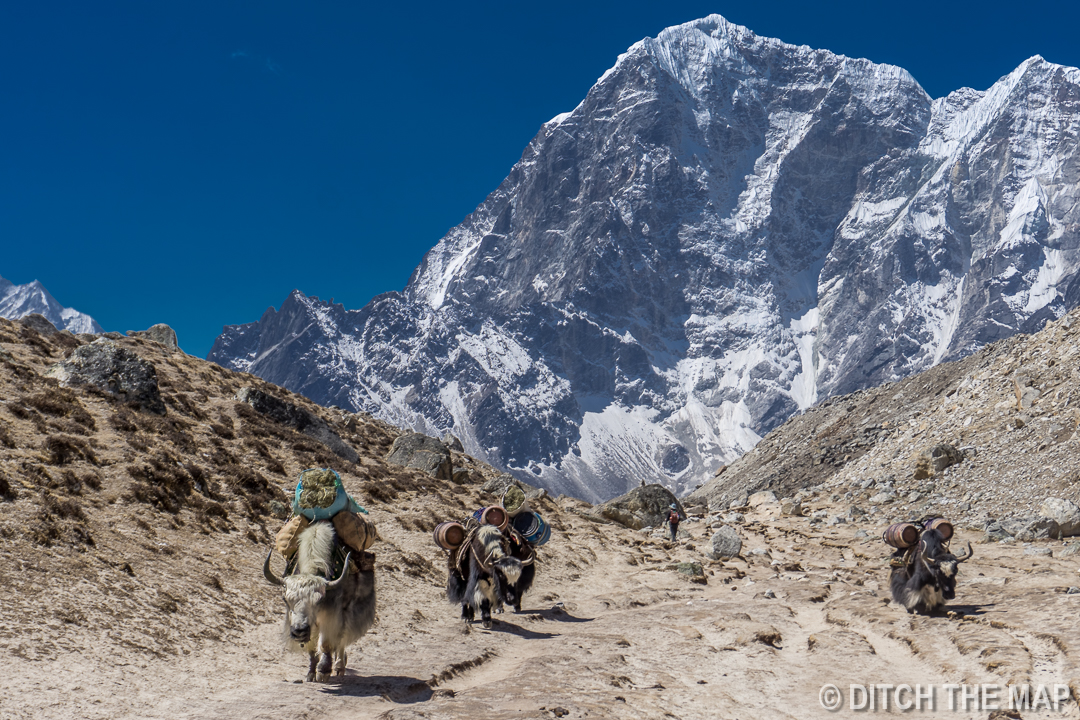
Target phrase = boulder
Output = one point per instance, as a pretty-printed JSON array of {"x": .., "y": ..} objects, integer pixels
[
  {"x": 641, "y": 507},
  {"x": 692, "y": 571},
  {"x": 1064, "y": 512},
  {"x": 453, "y": 443},
  {"x": 297, "y": 418},
  {"x": 160, "y": 333},
  {"x": 422, "y": 452},
  {"x": 1028, "y": 529},
  {"x": 40, "y": 323},
  {"x": 111, "y": 368},
  {"x": 726, "y": 543},
  {"x": 935, "y": 459},
  {"x": 761, "y": 498}
]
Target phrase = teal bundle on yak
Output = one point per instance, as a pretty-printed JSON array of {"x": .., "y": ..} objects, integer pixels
[{"x": 320, "y": 495}]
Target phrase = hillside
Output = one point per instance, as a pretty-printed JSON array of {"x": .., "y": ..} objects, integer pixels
[
  {"x": 1013, "y": 409},
  {"x": 130, "y": 582}
]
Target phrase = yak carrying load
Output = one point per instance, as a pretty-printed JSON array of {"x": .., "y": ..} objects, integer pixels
[
  {"x": 329, "y": 579},
  {"x": 492, "y": 555},
  {"x": 923, "y": 568}
]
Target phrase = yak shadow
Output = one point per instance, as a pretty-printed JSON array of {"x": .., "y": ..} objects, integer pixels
[
  {"x": 395, "y": 688},
  {"x": 501, "y": 625},
  {"x": 973, "y": 609},
  {"x": 556, "y": 613}
]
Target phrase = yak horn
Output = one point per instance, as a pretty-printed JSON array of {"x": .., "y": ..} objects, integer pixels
[
  {"x": 269, "y": 574},
  {"x": 966, "y": 557},
  {"x": 344, "y": 572}
]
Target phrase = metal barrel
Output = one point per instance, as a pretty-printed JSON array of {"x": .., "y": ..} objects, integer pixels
[
  {"x": 901, "y": 535},
  {"x": 449, "y": 535},
  {"x": 943, "y": 526},
  {"x": 532, "y": 527},
  {"x": 495, "y": 515}
]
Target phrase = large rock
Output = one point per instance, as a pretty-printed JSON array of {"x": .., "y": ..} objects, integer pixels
[
  {"x": 1032, "y": 528},
  {"x": 109, "y": 367},
  {"x": 423, "y": 453},
  {"x": 40, "y": 323},
  {"x": 761, "y": 498},
  {"x": 935, "y": 459},
  {"x": 645, "y": 506},
  {"x": 297, "y": 418},
  {"x": 726, "y": 542},
  {"x": 161, "y": 333},
  {"x": 1064, "y": 512}
]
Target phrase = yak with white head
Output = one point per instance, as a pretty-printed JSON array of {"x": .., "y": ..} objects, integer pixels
[{"x": 323, "y": 617}]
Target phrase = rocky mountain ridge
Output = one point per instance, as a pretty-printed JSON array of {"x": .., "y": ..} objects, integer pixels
[{"x": 725, "y": 231}]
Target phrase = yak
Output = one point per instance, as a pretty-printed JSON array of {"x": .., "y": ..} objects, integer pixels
[
  {"x": 523, "y": 551},
  {"x": 324, "y": 616},
  {"x": 928, "y": 576},
  {"x": 484, "y": 575}
]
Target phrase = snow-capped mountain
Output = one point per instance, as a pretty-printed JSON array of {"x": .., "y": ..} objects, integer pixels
[
  {"x": 727, "y": 229},
  {"x": 18, "y": 301}
]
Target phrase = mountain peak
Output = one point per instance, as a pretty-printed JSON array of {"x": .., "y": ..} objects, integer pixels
[{"x": 18, "y": 301}]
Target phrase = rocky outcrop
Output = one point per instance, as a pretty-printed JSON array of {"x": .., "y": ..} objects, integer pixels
[
  {"x": 109, "y": 367},
  {"x": 423, "y": 453},
  {"x": 161, "y": 333},
  {"x": 297, "y": 418},
  {"x": 645, "y": 506}
]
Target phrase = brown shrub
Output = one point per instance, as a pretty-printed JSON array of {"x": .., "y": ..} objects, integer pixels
[
  {"x": 161, "y": 481},
  {"x": 124, "y": 420},
  {"x": 59, "y": 521},
  {"x": 63, "y": 449},
  {"x": 62, "y": 403},
  {"x": 7, "y": 492},
  {"x": 5, "y": 437},
  {"x": 223, "y": 432}
]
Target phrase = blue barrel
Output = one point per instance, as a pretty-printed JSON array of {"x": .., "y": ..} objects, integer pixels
[{"x": 532, "y": 527}]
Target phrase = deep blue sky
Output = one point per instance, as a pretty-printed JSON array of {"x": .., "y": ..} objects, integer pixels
[{"x": 192, "y": 162}]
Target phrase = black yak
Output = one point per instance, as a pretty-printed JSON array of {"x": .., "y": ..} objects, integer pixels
[
  {"x": 483, "y": 575},
  {"x": 928, "y": 576}
]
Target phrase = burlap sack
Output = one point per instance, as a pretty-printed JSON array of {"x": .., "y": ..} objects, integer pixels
[
  {"x": 288, "y": 537},
  {"x": 355, "y": 530}
]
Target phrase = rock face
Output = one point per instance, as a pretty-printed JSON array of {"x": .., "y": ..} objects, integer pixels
[
  {"x": 298, "y": 418},
  {"x": 109, "y": 367},
  {"x": 161, "y": 333},
  {"x": 726, "y": 230},
  {"x": 422, "y": 452},
  {"x": 19, "y": 301},
  {"x": 641, "y": 507}
]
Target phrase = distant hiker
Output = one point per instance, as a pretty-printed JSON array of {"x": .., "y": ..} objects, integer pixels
[{"x": 673, "y": 521}]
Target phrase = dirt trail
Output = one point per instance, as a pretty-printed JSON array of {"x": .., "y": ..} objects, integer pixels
[{"x": 601, "y": 637}]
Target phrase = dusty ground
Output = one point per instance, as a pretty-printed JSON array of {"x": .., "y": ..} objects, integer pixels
[{"x": 117, "y": 602}]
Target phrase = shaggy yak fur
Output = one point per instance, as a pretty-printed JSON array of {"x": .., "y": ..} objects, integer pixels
[
  {"x": 929, "y": 578},
  {"x": 323, "y": 617},
  {"x": 487, "y": 578}
]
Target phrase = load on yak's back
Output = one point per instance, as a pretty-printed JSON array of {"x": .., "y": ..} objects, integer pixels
[
  {"x": 491, "y": 559},
  {"x": 923, "y": 568},
  {"x": 329, "y": 579}
]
